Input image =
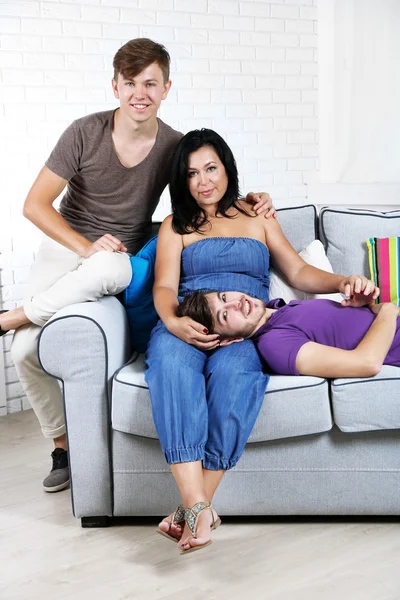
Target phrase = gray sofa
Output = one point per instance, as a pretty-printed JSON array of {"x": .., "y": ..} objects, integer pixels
[{"x": 318, "y": 447}]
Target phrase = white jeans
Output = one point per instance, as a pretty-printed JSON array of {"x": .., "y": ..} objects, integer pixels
[{"x": 58, "y": 278}]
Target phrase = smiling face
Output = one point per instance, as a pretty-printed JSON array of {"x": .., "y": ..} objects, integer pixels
[
  {"x": 141, "y": 96},
  {"x": 236, "y": 315},
  {"x": 207, "y": 178}
]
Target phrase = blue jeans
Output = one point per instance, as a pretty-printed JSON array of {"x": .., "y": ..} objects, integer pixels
[{"x": 204, "y": 404}]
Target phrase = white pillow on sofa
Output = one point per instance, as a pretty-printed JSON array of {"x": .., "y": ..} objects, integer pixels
[{"x": 313, "y": 255}]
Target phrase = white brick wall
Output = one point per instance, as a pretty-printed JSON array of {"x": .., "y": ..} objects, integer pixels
[{"x": 244, "y": 67}]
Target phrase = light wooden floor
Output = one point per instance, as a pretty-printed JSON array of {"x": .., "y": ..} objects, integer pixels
[{"x": 44, "y": 553}]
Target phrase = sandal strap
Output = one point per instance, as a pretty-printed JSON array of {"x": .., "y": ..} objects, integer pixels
[
  {"x": 179, "y": 515},
  {"x": 192, "y": 515}
]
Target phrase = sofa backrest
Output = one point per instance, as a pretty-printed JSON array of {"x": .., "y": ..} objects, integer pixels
[
  {"x": 299, "y": 224},
  {"x": 344, "y": 232}
]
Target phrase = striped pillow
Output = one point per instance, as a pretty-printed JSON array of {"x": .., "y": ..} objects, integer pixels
[{"x": 384, "y": 265}]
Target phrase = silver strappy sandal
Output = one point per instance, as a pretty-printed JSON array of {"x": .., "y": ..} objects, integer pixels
[{"x": 191, "y": 518}]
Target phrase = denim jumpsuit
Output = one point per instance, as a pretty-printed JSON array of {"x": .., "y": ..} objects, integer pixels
[{"x": 205, "y": 404}]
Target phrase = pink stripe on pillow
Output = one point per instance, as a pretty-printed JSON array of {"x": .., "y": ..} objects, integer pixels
[{"x": 384, "y": 268}]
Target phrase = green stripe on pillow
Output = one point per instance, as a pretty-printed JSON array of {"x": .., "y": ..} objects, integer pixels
[{"x": 384, "y": 265}]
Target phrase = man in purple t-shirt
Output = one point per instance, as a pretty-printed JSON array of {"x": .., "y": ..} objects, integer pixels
[{"x": 305, "y": 337}]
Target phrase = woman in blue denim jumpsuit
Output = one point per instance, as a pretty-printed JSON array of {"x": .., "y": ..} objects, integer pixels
[{"x": 206, "y": 398}]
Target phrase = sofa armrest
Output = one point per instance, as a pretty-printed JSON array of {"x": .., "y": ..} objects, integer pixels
[{"x": 82, "y": 346}]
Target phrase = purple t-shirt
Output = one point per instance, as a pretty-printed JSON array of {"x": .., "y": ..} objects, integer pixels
[{"x": 321, "y": 321}]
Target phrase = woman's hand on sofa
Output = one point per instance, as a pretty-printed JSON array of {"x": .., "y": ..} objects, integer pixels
[
  {"x": 192, "y": 333},
  {"x": 358, "y": 290}
]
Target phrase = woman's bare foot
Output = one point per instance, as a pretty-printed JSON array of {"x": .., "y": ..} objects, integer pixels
[
  {"x": 204, "y": 527},
  {"x": 175, "y": 530}
]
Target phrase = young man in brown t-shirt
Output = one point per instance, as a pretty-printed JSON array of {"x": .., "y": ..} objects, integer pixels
[{"x": 115, "y": 165}]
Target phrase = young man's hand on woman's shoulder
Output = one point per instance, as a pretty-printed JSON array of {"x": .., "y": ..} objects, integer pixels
[{"x": 261, "y": 201}]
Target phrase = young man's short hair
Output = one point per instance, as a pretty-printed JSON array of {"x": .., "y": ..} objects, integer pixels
[
  {"x": 197, "y": 308},
  {"x": 134, "y": 56}
]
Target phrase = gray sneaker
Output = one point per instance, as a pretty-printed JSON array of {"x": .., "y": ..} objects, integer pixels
[{"x": 58, "y": 478}]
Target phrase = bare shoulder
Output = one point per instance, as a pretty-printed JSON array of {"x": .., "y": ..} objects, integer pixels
[
  {"x": 245, "y": 206},
  {"x": 167, "y": 221},
  {"x": 167, "y": 236},
  {"x": 259, "y": 218},
  {"x": 166, "y": 225},
  {"x": 270, "y": 224}
]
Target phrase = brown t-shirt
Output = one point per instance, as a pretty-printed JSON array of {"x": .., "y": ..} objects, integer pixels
[{"x": 102, "y": 195}]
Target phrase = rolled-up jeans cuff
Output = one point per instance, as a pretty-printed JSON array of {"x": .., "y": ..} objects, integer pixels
[
  {"x": 181, "y": 455},
  {"x": 29, "y": 312},
  {"x": 218, "y": 463},
  {"x": 54, "y": 433}
]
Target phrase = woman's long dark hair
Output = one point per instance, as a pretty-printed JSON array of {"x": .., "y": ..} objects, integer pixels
[{"x": 188, "y": 216}]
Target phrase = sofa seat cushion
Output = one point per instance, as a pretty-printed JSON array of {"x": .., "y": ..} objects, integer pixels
[
  {"x": 293, "y": 406},
  {"x": 369, "y": 403}
]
